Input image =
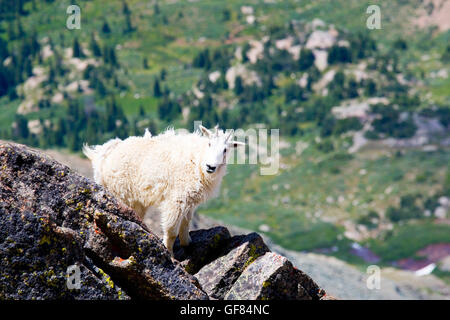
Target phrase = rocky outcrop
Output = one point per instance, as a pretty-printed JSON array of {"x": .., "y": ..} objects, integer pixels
[
  {"x": 217, "y": 277},
  {"x": 55, "y": 224},
  {"x": 273, "y": 277},
  {"x": 52, "y": 220}
]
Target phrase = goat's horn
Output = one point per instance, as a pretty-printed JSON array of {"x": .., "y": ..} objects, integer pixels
[
  {"x": 216, "y": 130},
  {"x": 230, "y": 133}
]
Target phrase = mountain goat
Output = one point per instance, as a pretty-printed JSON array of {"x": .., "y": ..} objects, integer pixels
[{"x": 172, "y": 173}]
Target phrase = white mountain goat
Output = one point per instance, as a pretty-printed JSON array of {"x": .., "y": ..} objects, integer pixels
[{"x": 172, "y": 173}]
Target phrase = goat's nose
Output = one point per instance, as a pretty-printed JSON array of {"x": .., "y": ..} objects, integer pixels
[{"x": 210, "y": 169}]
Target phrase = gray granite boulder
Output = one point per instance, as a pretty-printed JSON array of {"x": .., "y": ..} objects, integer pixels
[
  {"x": 217, "y": 277},
  {"x": 273, "y": 277}
]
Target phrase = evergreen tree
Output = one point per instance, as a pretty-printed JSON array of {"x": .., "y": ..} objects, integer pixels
[
  {"x": 128, "y": 24},
  {"x": 238, "y": 86},
  {"x": 19, "y": 29},
  {"x": 306, "y": 59},
  {"x": 77, "y": 50},
  {"x": 162, "y": 74},
  {"x": 95, "y": 48},
  {"x": 125, "y": 9},
  {"x": 156, "y": 89},
  {"x": 400, "y": 44},
  {"x": 202, "y": 60},
  {"x": 112, "y": 56},
  {"x": 109, "y": 55},
  {"x": 352, "y": 89},
  {"x": 226, "y": 14},
  {"x": 446, "y": 54},
  {"x": 145, "y": 63},
  {"x": 370, "y": 88},
  {"x": 105, "y": 28},
  {"x": 21, "y": 128},
  {"x": 60, "y": 132},
  {"x": 245, "y": 49},
  {"x": 73, "y": 141},
  {"x": 339, "y": 54},
  {"x": 141, "y": 111},
  {"x": 4, "y": 53},
  {"x": 152, "y": 127},
  {"x": 156, "y": 9}
]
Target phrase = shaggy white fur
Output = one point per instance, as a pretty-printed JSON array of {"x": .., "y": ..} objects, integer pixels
[{"x": 172, "y": 173}]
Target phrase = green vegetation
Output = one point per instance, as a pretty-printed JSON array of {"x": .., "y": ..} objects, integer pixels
[{"x": 406, "y": 240}]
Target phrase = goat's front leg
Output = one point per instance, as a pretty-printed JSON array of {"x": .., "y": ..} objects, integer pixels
[
  {"x": 171, "y": 221},
  {"x": 185, "y": 238}
]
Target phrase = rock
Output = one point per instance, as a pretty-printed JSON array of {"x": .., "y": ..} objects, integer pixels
[
  {"x": 217, "y": 277},
  {"x": 444, "y": 264},
  {"x": 249, "y": 77},
  {"x": 273, "y": 277},
  {"x": 242, "y": 267},
  {"x": 205, "y": 247},
  {"x": 321, "y": 59},
  {"x": 264, "y": 228},
  {"x": 320, "y": 39},
  {"x": 214, "y": 76},
  {"x": 52, "y": 218},
  {"x": 440, "y": 213}
]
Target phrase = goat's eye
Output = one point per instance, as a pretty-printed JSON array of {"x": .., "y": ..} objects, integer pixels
[
  {"x": 224, "y": 151},
  {"x": 209, "y": 144}
]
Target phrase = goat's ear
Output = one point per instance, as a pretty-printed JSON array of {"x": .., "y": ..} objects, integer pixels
[
  {"x": 235, "y": 144},
  {"x": 205, "y": 131}
]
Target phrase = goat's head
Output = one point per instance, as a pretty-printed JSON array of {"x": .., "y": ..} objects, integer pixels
[{"x": 219, "y": 143}]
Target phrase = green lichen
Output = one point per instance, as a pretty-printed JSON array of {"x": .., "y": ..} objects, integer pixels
[
  {"x": 106, "y": 278},
  {"x": 253, "y": 255},
  {"x": 45, "y": 239},
  {"x": 189, "y": 268},
  {"x": 216, "y": 241},
  {"x": 85, "y": 191}
]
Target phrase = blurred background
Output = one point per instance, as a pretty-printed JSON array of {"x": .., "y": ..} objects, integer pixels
[{"x": 364, "y": 115}]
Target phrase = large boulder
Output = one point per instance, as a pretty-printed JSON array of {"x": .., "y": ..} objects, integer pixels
[
  {"x": 273, "y": 277},
  {"x": 55, "y": 224},
  {"x": 206, "y": 246},
  {"x": 217, "y": 277},
  {"x": 243, "y": 268}
]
